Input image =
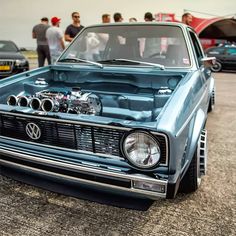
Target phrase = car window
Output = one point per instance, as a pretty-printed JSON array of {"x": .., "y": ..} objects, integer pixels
[
  {"x": 7, "y": 46},
  {"x": 231, "y": 51},
  {"x": 150, "y": 43},
  {"x": 216, "y": 51},
  {"x": 197, "y": 47}
]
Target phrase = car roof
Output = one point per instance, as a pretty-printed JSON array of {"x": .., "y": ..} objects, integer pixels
[
  {"x": 154, "y": 23},
  {"x": 226, "y": 46},
  {"x": 6, "y": 41}
]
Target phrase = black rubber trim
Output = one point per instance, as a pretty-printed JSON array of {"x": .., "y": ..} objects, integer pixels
[
  {"x": 68, "y": 187},
  {"x": 172, "y": 189},
  {"x": 77, "y": 174}
]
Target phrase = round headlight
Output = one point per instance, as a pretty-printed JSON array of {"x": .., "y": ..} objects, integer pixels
[{"x": 141, "y": 149}]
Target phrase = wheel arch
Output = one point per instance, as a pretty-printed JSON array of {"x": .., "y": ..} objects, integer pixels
[{"x": 198, "y": 125}]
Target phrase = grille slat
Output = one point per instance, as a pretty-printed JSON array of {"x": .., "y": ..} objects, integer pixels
[{"x": 100, "y": 140}]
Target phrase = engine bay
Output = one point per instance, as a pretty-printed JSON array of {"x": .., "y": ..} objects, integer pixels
[{"x": 129, "y": 97}]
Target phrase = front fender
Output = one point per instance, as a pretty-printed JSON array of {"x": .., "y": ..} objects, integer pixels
[{"x": 198, "y": 124}]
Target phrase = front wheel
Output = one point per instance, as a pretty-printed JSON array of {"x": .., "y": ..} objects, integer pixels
[
  {"x": 192, "y": 178},
  {"x": 217, "y": 67}
]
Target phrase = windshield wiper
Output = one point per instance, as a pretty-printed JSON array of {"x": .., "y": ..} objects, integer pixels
[
  {"x": 74, "y": 59},
  {"x": 162, "y": 67}
]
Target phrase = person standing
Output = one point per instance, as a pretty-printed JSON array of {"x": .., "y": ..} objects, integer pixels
[
  {"x": 106, "y": 18},
  {"x": 118, "y": 17},
  {"x": 147, "y": 45},
  {"x": 187, "y": 18},
  {"x": 148, "y": 16},
  {"x": 39, "y": 33},
  {"x": 132, "y": 19},
  {"x": 54, "y": 37},
  {"x": 73, "y": 29}
]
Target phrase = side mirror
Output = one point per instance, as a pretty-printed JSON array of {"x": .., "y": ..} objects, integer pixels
[
  {"x": 23, "y": 49},
  {"x": 208, "y": 62}
]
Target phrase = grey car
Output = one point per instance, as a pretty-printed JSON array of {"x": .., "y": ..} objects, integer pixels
[
  {"x": 225, "y": 57},
  {"x": 12, "y": 61}
]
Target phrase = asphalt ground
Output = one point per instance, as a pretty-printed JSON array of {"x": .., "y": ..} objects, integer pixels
[{"x": 27, "y": 210}]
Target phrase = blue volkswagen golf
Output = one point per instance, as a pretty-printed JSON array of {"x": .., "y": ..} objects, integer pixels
[{"x": 123, "y": 110}]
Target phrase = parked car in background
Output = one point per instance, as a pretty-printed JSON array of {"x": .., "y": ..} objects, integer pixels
[
  {"x": 225, "y": 57},
  {"x": 12, "y": 61},
  {"x": 123, "y": 110}
]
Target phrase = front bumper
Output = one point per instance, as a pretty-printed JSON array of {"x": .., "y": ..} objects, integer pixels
[
  {"x": 105, "y": 179},
  {"x": 15, "y": 69}
]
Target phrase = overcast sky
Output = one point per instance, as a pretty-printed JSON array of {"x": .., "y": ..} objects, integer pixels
[{"x": 17, "y": 17}]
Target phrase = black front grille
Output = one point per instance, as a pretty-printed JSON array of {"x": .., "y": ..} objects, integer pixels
[{"x": 83, "y": 137}]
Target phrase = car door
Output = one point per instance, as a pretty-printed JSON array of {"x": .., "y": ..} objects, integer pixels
[
  {"x": 218, "y": 53},
  {"x": 199, "y": 54},
  {"x": 230, "y": 58},
  {"x": 204, "y": 73}
]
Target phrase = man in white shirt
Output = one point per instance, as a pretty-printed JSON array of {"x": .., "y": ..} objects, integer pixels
[{"x": 54, "y": 37}]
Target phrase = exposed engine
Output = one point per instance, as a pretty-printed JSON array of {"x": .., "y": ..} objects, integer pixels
[{"x": 75, "y": 102}]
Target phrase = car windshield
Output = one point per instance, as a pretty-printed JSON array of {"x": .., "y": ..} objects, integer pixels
[
  {"x": 163, "y": 45},
  {"x": 8, "y": 46}
]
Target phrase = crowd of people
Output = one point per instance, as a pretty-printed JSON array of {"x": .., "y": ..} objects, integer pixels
[{"x": 51, "y": 39}]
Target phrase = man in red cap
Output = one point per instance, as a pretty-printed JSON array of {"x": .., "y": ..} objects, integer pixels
[{"x": 54, "y": 36}]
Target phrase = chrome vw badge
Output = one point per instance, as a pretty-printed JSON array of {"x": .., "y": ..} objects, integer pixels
[{"x": 33, "y": 131}]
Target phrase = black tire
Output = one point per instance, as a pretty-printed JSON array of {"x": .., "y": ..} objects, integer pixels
[
  {"x": 217, "y": 67},
  {"x": 198, "y": 166},
  {"x": 212, "y": 101},
  {"x": 191, "y": 179}
]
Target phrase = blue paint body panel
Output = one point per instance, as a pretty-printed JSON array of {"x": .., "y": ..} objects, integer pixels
[{"x": 69, "y": 120}]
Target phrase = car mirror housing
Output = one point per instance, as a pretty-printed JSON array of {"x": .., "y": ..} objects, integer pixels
[
  {"x": 208, "y": 61},
  {"x": 23, "y": 49}
]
